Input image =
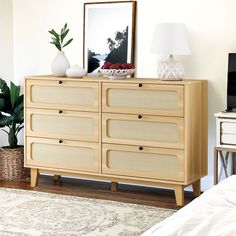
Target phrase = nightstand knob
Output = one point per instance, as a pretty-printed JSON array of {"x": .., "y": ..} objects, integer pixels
[
  {"x": 140, "y": 116},
  {"x": 60, "y": 82},
  {"x": 60, "y": 111},
  {"x": 140, "y": 148},
  {"x": 140, "y": 85},
  {"x": 60, "y": 141}
]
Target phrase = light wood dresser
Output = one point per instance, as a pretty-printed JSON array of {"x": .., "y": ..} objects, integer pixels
[{"x": 138, "y": 131}]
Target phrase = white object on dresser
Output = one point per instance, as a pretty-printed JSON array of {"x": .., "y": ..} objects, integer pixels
[
  {"x": 60, "y": 64},
  {"x": 138, "y": 131},
  {"x": 75, "y": 72},
  {"x": 170, "y": 39},
  {"x": 225, "y": 141}
]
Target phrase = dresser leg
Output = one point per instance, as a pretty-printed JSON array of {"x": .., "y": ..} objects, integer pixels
[
  {"x": 34, "y": 177},
  {"x": 114, "y": 186},
  {"x": 179, "y": 195},
  {"x": 197, "y": 188},
  {"x": 56, "y": 177}
]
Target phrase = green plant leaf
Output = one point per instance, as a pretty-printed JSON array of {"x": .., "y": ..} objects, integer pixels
[
  {"x": 14, "y": 94},
  {"x": 4, "y": 88},
  {"x": 64, "y": 28},
  {"x": 11, "y": 110},
  {"x": 5, "y": 131},
  {"x": 59, "y": 38},
  {"x": 18, "y": 114},
  {"x": 2, "y": 102},
  {"x": 19, "y": 128},
  {"x": 5, "y": 120},
  {"x": 54, "y": 40},
  {"x": 67, "y": 43},
  {"x": 18, "y": 117},
  {"x": 5, "y": 94},
  {"x": 19, "y": 107},
  {"x": 64, "y": 35},
  {"x": 20, "y": 101},
  {"x": 57, "y": 46},
  {"x": 54, "y": 33}
]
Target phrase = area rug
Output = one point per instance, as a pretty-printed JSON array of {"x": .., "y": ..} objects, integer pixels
[{"x": 27, "y": 213}]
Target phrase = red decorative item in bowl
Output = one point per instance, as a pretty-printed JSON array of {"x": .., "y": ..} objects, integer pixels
[{"x": 117, "y": 71}]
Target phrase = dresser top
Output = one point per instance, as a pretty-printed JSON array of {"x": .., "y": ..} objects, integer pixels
[{"x": 104, "y": 79}]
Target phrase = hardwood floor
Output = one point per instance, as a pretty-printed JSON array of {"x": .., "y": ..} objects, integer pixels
[{"x": 101, "y": 190}]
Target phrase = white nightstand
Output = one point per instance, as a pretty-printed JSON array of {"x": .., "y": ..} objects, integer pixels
[{"x": 225, "y": 141}]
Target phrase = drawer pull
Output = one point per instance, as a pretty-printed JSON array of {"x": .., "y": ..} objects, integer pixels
[
  {"x": 140, "y": 85},
  {"x": 60, "y": 141},
  {"x": 60, "y": 82},
  {"x": 140, "y": 116},
  {"x": 60, "y": 111},
  {"x": 140, "y": 148}
]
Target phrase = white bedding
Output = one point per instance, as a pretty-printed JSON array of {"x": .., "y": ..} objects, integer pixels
[{"x": 211, "y": 214}]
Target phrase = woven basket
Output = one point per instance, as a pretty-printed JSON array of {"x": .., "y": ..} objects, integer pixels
[{"x": 12, "y": 164}]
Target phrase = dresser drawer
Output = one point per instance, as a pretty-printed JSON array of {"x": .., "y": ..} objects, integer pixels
[
  {"x": 155, "y": 163},
  {"x": 228, "y": 132},
  {"x": 145, "y": 98},
  {"x": 62, "y": 95},
  {"x": 68, "y": 155},
  {"x": 143, "y": 130},
  {"x": 62, "y": 124}
]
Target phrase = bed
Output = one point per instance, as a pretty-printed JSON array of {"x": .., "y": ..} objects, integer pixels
[{"x": 211, "y": 214}]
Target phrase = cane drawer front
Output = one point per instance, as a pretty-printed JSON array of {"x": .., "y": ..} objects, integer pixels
[
  {"x": 146, "y": 130},
  {"x": 62, "y": 94},
  {"x": 143, "y": 162},
  {"x": 228, "y": 131},
  {"x": 150, "y": 99},
  {"x": 62, "y": 124},
  {"x": 62, "y": 154}
]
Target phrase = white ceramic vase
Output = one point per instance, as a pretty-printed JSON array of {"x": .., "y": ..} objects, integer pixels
[{"x": 60, "y": 64}]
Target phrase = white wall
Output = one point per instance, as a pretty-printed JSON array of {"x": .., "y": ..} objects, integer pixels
[
  {"x": 32, "y": 19},
  {"x": 6, "y": 48},
  {"x": 211, "y": 27}
]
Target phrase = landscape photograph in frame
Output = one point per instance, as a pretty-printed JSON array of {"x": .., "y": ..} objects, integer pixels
[{"x": 109, "y": 33}]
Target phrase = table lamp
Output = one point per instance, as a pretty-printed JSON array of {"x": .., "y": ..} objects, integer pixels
[{"x": 170, "y": 39}]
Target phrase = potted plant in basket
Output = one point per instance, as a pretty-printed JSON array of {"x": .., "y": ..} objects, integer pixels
[
  {"x": 11, "y": 122},
  {"x": 60, "y": 64}
]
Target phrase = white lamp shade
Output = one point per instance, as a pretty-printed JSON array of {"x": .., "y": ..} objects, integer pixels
[{"x": 170, "y": 38}]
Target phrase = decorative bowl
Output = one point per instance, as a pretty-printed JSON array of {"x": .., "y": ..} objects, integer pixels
[
  {"x": 75, "y": 72},
  {"x": 116, "y": 73}
]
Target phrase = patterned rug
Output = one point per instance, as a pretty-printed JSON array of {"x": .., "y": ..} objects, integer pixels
[{"x": 27, "y": 213}]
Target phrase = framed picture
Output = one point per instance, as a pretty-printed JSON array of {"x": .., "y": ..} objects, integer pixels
[{"x": 109, "y": 33}]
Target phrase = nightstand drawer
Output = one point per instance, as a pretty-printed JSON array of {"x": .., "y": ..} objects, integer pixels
[
  {"x": 143, "y": 98},
  {"x": 228, "y": 132},
  {"x": 143, "y": 130},
  {"x": 62, "y": 124},
  {"x": 62, "y": 94},
  {"x": 143, "y": 162},
  {"x": 62, "y": 154}
]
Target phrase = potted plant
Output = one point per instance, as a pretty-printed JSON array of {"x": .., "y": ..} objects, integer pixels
[
  {"x": 11, "y": 122},
  {"x": 60, "y": 64}
]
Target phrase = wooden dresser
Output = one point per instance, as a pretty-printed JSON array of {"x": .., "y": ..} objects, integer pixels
[{"x": 138, "y": 131}]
